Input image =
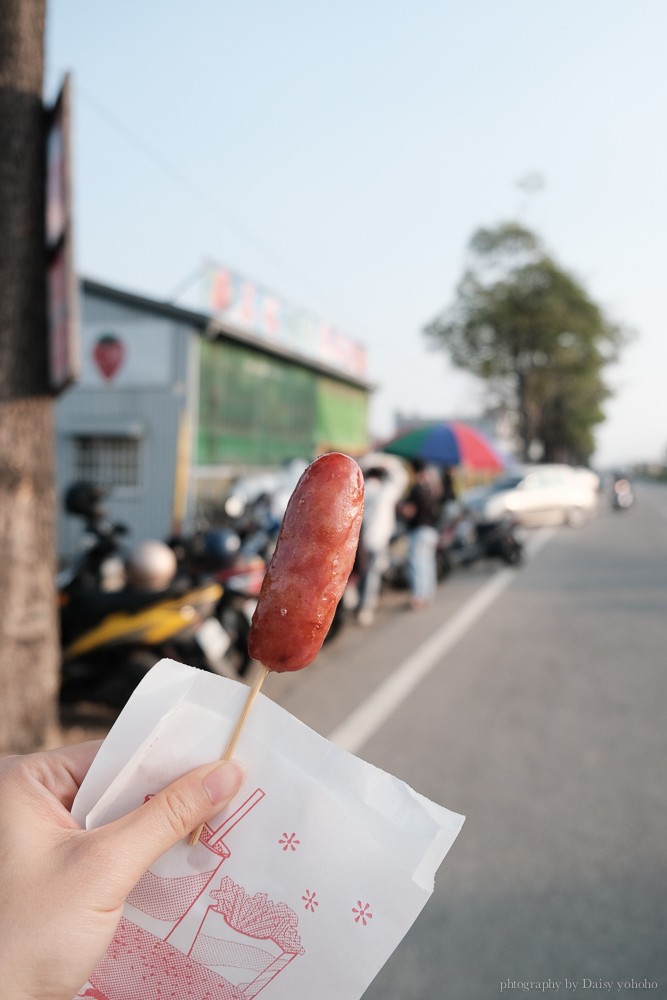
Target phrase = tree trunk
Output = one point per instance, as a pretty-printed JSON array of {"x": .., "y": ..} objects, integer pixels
[
  {"x": 523, "y": 415},
  {"x": 29, "y": 649}
]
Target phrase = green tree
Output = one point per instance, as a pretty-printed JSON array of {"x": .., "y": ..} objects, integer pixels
[
  {"x": 28, "y": 623},
  {"x": 529, "y": 329}
]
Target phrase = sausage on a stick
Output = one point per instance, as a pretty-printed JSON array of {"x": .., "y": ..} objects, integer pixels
[{"x": 307, "y": 575}]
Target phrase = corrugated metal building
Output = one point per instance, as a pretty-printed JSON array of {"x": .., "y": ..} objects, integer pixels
[{"x": 172, "y": 404}]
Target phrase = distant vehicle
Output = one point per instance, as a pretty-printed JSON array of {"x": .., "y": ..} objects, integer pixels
[
  {"x": 622, "y": 493},
  {"x": 538, "y": 495}
]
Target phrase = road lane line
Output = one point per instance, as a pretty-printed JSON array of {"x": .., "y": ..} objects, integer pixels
[{"x": 358, "y": 728}]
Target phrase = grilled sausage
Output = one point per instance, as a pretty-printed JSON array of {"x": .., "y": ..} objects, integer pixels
[{"x": 311, "y": 564}]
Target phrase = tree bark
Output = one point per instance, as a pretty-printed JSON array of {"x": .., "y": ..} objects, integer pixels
[
  {"x": 29, "y": 648},
  {"x": 523, "y": 414}
]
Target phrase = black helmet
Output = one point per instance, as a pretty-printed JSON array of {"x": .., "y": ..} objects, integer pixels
[
  {"x": 221, "y": 546},
  {"x": 84, "y": 498}
]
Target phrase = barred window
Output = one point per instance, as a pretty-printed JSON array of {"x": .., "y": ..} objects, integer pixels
[{"x": 110, "y": 460}]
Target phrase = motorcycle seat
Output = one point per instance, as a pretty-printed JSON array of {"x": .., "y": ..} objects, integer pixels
[{"x": 90, "y": 606}]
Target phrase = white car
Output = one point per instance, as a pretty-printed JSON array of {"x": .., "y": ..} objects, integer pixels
[{"x": 539, "y": 495}]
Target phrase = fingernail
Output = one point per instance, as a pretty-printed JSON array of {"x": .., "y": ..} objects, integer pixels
[{"x": 224, "y": 781}]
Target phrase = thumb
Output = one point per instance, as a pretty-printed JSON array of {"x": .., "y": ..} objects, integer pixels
[{"x": 137, "y": 840}]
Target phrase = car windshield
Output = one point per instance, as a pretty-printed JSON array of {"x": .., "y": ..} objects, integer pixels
[{"x": 505, "y": 483}]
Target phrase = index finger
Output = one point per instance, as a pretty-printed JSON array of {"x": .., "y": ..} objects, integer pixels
[
  {"x": 49, "y": 775},
  {"x": 63, "y": 770}
]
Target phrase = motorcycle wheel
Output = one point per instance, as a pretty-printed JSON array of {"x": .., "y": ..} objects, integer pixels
[{"x": 511, "y": 551}]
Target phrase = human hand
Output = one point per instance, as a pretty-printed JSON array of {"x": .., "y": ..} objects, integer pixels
[{"x": 62, "y": 888}]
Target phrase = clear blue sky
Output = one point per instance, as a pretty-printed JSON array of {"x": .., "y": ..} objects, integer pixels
[{"x": 342, "y": 153}]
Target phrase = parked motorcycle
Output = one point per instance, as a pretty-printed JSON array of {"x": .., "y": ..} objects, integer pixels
[
  {"x": 465, "y": 539},
  {"x": 462, "y": 541},
  {"x": 113, "y": 633}
]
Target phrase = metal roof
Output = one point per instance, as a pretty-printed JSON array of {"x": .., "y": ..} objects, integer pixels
[{"x": 215, "y": 330}]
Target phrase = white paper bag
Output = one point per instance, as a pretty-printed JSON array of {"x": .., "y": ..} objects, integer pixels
[{"x": 301, "y": 888}]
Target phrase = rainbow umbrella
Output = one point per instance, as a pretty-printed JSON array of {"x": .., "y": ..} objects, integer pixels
[{"x": 447, "y": 443}]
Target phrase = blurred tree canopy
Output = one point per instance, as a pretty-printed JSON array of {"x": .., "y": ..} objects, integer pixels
[{"x": 529, "y": 329}]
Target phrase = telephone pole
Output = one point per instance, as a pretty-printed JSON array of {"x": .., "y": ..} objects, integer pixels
[{"x": 29, "y": 647}]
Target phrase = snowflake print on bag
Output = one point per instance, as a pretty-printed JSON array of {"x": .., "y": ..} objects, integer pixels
[
  {"x": 363, "y": 913},
  {"x": 289, "y": 840},
  {"x": 310, "y": 901}
]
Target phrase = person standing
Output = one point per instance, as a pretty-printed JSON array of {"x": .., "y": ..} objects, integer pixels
[
  {"x": 419, "y": 511},
  {"x": 385, "y": 480}
]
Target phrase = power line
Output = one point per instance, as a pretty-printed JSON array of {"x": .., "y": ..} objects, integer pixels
[{"x": 180, "y": 177}]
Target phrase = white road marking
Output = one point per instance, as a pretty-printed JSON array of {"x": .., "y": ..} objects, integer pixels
[{"x": 358, "y": 728}]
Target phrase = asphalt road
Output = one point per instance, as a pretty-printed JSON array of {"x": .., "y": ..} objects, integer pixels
[{"x": 543, "y": 721}]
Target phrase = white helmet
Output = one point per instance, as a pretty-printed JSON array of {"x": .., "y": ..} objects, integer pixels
[{"x": 151, "y": 566}]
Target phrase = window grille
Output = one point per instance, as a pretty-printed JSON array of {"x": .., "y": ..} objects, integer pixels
[{"x": 108, "y": 460}]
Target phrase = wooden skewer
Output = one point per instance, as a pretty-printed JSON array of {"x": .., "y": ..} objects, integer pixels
[{"x": 240, "y": 722}]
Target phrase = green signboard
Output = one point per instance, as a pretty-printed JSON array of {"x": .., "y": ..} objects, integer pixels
[
  {"x": 253, "y": 409},
  {"x": 256, "y": 409}
]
